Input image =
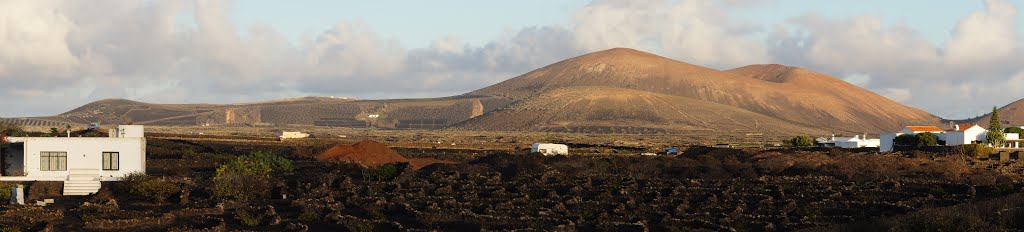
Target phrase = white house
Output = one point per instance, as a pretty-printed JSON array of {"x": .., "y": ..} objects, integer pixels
[
  {"x": 965, "y": 134},
  {"x": 80, "y": 162},
  {"x": 292, "y": 135},
  {"x": 550, "y": 149},
  {"x": 957, "y": 134},
  {"x": 856, "y": 141}
]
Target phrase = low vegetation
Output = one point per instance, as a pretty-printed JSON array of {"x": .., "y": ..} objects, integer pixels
[
  {"x": 917, "y": 140},
  {"x": 154, "y": 188},
  {"x": 800, "y": 141},
  {"x": 247, "y": 177}
]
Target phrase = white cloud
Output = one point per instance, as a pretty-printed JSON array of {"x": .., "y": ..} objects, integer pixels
[
  {"x": 58, "y": 55},
  {"x": 896, "y": 94},
  {"x": 696, "y": 31}
]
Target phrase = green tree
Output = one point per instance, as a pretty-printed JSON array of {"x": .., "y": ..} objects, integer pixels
[
  {"x": 1017, "y": 130},
  {"x": 993, "y": 122},
  {"x": 906, "y": 140},
  {"x": 801, "y": 141},
  {"x": 927, "y": 139},
  {"x": 995, "y": 136},
  {"x": 54, "y": 132}
]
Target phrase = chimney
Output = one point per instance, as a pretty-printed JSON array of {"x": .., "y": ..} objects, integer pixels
[{"x": 956, "y": 128}]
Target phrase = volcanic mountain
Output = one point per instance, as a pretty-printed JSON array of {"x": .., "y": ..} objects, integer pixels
[
  {"x": 1009, "y": 115},
  {"x": 613, "y": 91},
  {"x": 790, "y": 94}
]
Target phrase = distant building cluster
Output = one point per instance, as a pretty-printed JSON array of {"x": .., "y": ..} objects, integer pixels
[{"x": 956, "y": 134}]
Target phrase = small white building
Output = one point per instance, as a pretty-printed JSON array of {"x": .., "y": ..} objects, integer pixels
[
  {"x": 964, "y": 134},
  {"x": 856, "y": 141},
  {"x": 80, "y": 162},
  {"x": 550, "y": 149},
  {"x": 292, "y": 135}
]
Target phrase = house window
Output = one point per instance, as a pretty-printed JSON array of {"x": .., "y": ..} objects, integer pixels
[
  {"x": 110, "y": 160},
  {"x": 53, "y": 161}
]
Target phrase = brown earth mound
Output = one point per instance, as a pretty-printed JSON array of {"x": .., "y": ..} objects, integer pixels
[{"x": 371, "y": 153}]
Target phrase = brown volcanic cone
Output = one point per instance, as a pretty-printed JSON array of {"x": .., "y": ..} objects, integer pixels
[
  {"x": 787, "y": 93},
  {"x": 371, "y": 153}
]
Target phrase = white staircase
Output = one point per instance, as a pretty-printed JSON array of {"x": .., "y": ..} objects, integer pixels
[{"x": 82, "y": 182}]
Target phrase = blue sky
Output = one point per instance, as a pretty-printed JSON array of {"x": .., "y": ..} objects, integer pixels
[{"x": 210, "y": 51}]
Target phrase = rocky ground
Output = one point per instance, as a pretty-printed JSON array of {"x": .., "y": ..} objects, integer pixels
[{"x": 712, "y": 189}]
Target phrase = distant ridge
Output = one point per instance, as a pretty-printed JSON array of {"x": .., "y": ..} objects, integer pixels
[{"x": 618, "y": 90}]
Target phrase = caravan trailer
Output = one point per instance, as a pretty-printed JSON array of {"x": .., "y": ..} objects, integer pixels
[{"x": 550, "y": 149}]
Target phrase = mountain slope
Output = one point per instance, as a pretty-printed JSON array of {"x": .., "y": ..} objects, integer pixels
[
  {"x": 787, "y": 93},
  {"x": 617, "y": 110},
  {"x": 1010, "y": 115}
]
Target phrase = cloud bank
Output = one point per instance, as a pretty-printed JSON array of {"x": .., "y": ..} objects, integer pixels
[{"x": 55, "y": 55}]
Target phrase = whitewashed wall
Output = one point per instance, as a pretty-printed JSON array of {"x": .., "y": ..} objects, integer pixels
[{"x": 85, "y": 153}]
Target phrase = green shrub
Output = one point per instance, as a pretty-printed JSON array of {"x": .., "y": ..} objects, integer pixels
[
  {"x": 5, "y": 191},
  {"x": 139, "y": 183},
  {"x": 977, "y": 151},
  {"x": 247, "y": 178},
  {"x": 1017, "y": 130},
  {"x": 384, "y": 171},
  {"x": 917, "y": 140},
  {"x": 906, "y": 140},
  {"x": 269, "y": 161},
  {"x": 156, "y": 189},
  {"x": 927, "y": 139},
  {"x": 800, "y": 141},
  {"x": 247, "y": 218}
]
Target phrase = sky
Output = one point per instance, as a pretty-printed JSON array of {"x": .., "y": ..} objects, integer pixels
[{"x": 953, "y": 58}]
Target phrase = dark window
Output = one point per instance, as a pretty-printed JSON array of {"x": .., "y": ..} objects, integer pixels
[
  {"x": 110, "y": 160},
  {"x": 53, "y": 161}
]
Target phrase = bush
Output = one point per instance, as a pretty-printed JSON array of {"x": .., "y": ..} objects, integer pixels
[
  {"x": 906, "y": 140},
  {"x": 977, "y": 151},
  {"x": 384, "y": 171},
  {"x": 247, "y": 178},
  {"x": 157, "y": 189},
  {"x": 247, "y": 218},
  {"x": 5, "y": 191},
  {"x": 800, "y": 141},
  {"x": 1017, "y": 130},
  {"x": 147, "y": 186},
  {"x": 917, "y": 140},
  {"x": 927, "y": 139}
]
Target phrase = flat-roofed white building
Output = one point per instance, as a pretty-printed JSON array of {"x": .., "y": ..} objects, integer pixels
[{"x": 80, "y": 162}]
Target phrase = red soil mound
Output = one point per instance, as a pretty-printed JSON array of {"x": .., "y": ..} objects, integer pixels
[{"x": 371, "y": 153}]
